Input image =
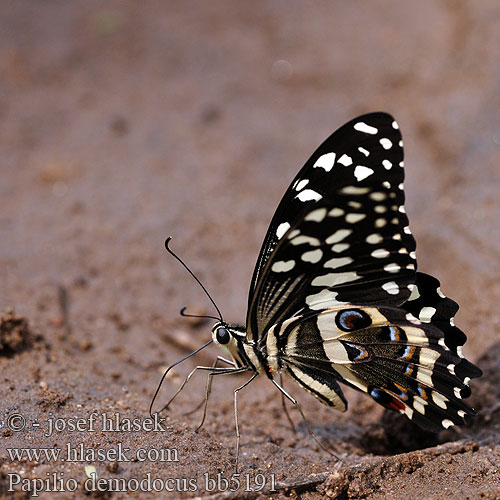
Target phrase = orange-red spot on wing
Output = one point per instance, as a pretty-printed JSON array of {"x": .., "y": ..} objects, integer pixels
[
  {"x": 395, "y": 404},
  {"x": 386, "y": 399}
]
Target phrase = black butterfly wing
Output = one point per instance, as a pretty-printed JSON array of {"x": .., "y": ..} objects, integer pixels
[
  {"x": 340, "y": 234},
  {"x": 323, "y": 173},
  {"x": 410, "y": 362}
]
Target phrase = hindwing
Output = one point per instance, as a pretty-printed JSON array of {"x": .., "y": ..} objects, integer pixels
[{"x": 408, "y": 362}]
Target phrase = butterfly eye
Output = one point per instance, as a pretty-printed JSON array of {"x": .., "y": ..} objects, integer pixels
[
  {"x": 222, "y": 336},
  {"x": 352, "y": 319}
]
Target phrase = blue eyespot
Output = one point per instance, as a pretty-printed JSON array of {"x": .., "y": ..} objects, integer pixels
[{"x": 352, "y": 319}]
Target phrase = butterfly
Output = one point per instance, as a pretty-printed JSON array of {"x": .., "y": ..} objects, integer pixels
[{"x": 336, "y": 297}]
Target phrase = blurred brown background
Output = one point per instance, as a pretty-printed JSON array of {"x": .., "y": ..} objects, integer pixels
[{"x": 124, "y": 122}]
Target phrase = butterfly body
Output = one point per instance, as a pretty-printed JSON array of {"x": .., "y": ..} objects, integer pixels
[{"x": 335, "y": 295}]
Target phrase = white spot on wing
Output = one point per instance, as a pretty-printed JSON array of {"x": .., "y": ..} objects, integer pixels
[
  {"x": 415, "y": 321},
  {"x": 392, "y": 268},
  {"x": 316, "y": 215},
  {"x": 395, "y": 125},
  {"x": 380, "y": 253},
  {"x": 418, "y": 406},
  {"x": 308, "y": 195},
  {"x": 392, "y": 288},
  {"x": 333, "y": 279},
  {"x": 338, "y": 235},
  {"x": 363, "y": 127},
  {"x": 336, "y": 212},
  {"x": 374, "y": 238},
  {"x": 340, "y": 247},
  {"x": 408, "y": 412},
  {"x": 317, "y": 300},
  {"x": 439, "y": 399},
  {"x": 355, "y": 190},
  {"x": 387, "y": 164},
  {"x": 299, "y": 240},
  {"x": 447, "y": 423},
  {"x": 423, "y": 375},
  {"x": 312, "y": 256},
  {"x": 282, "y": 229},
  {"x": 337, "y": 262},
  {"x": 386, "y": 143},
  {"x": 282, "y": 266},
  {"x": 426, "y": 314},
  {"x": 378, "y": 196},
  {"x": 345, "y": 160},
  {"x": 361, "y": 172},
  {"x": 301, "y": 184},
  {"x": 364, "y": 151},
  {"x": 415, "y": 294},
  {"x": 325, "y": 162},
  {"x": 353, "y": 218}
]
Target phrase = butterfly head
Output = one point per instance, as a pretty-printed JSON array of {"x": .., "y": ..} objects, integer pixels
[
  {"x": 229, "y": 338},
  {"x": 221, "y": 334}
]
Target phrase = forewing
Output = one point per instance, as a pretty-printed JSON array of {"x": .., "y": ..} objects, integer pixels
[
  {"x": 371, "y": 140},
  {"x": 346, "y": 237}
]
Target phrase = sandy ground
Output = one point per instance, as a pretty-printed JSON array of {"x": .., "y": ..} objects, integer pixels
[{"x": 125, "y": 122}]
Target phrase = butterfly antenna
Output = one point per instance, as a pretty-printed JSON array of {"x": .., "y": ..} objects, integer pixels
[
  {"x": 169, "y": 368},
  {"x": 204, "y": 316},
  {"x": 169, "y": 250}
]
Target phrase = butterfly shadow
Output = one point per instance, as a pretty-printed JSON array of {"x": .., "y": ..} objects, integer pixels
[
  {"x": 391, "y": 434},
  {"x": 486, "y": 397}
]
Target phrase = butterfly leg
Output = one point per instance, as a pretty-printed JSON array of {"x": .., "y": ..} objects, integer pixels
[
  {"x": 296, "y": 404},
  {"x": 283, "y": 403},
  {"x": 208, "y": 387},
  {"x": 187, "y": 379},
  {"x": 251, "y": 379}
]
